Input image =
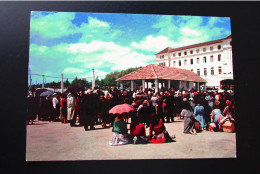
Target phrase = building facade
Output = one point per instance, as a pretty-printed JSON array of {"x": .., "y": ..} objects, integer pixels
[{"x": 210, "y": 60}]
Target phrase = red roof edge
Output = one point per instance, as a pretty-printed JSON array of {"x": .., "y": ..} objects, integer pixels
[{"x": 194, "y": 45}]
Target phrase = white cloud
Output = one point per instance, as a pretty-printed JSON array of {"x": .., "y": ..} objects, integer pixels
[
  {"x": 57, "y": 25},
  {"x": 94, "y": 22},
  {"x": 73, "y": 70},
  {"x": 53, "y": 25},
  {"x": 94, "y": 47},
  {"x": 185, "y": 31},
  {"x": 98, "y": 54},
  {"x": 155, "y": 44}
]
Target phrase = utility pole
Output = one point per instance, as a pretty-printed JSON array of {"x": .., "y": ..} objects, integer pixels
[
  {"x": 30, "y": 77},
  {"x": 42, "y": 81},
  {"x": 61, "y": 88},
  {"x": 93, "y": 79}
]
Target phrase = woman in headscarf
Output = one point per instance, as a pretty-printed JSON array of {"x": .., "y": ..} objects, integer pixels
[
  {"x": 157, "y": 131},
  {"x": 199, "y": 113},
  {"x": 137, "y": 131},
  {"x": 188, "y": 115},
  {"x": 216, "y": 115},
  {"x": 120, "y": 136}
]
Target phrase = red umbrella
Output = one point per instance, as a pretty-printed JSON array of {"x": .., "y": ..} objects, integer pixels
[{"x": 122, "y": 108}]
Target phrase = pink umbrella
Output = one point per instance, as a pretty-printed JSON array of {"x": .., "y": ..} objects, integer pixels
[{"x": 120, "y": 109}]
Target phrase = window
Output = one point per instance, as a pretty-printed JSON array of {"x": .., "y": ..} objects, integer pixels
[
  {"x": 219, "y": 47},
  {"x": 219, "y": 70},
  {"x": 198, "y": 60},
  {"x": 191, "y": 61},
  {"x": 219, "y": 57},
  {"x": 211, "y": 58},
  {"x": 230, "y": 43},
  {"x": 212, "y": 70},
  {"x": 204, "y": 49},
  {"x": 205, "y": 71},
  {"x": 179, "y": 62},
  {"x": 191, "y": 51},
  {"x": 197, "y": 50},
  {"x": 162, "y": 56},
  {"x": 204, "y": 59},
  {"x": 173, "y": 55},
  {"x": 185, "y": 62},
  {"x": 162, "y": 64},
  {"x": 198, "y": 72},
  {"x": 185, "y": 52},
  {"x": 179, "y": 54},
  {"x": 174, "y": 63},
  {"x": 211, "y": 48}
]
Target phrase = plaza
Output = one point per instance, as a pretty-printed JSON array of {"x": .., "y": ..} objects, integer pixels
[{"x": 54, "y": 141}]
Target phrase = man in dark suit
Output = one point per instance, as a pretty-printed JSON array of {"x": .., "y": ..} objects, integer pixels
[{"x": 90, "y": 105}]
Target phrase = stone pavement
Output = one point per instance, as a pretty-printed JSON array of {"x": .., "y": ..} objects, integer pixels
[{"x": 54, "y": 141}]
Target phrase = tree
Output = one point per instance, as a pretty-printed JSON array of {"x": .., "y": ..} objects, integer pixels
[
  {"x": 80, "y": 83},
  {"x": 66, "y": 84},
  {"x": 110, "y": 79}
]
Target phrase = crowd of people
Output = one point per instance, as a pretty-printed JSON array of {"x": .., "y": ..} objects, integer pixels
[{"x": 88, "y": 108}]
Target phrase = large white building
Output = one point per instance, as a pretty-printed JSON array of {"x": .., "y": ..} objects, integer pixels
[{"x": 211, "y": 60}]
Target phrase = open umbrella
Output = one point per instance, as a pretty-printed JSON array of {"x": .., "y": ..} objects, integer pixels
[
  {"x": 39, "y": 91},
  {"x": 46, "y": 93},
  {"x": 121, "y": 108}
]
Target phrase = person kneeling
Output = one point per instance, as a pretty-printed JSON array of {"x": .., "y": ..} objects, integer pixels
[
  {"x": 161, "y": 135},
  {"x": 120, "y": 136},
  {"x": 137, "y": 131}
]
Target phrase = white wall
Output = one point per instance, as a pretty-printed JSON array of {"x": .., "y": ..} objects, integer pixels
[{"x": 226, "y": 62}]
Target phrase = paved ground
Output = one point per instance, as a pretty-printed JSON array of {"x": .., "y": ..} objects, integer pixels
[{"x": 54, "y": 141}]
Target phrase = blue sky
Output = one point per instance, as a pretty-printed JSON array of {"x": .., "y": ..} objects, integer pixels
[{"x": 75, "y": 43}]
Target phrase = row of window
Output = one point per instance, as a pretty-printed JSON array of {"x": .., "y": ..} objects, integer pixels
[
  {"x": 211, "y": 72},
  {"x": 162, "y": 56},
  {"x": 162, "y": 64},
  {"x": 198, "y": 60},
  {"x": 197, "y": 51},
  {"x": 205, "y": 70}
]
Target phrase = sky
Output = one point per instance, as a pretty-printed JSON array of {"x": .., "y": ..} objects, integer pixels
[{"x": 73, "y": 44}]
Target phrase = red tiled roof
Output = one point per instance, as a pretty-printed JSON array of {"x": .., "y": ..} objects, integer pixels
[
  {"x": 166, "y": 50},
  {"x": 153, "y": 71},
  {"x": 192, "y": 46}
]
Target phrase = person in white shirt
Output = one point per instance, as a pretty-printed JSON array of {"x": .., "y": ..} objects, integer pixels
[{"x": 56, "y": 106}]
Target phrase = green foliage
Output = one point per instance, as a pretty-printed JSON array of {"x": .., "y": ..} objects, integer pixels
[
  {"x": 80, "y": 83},
  {"x": 52, "y": 85},
  {"x": 66, "y": 84},
  {"x": 110, "y": 79}
]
